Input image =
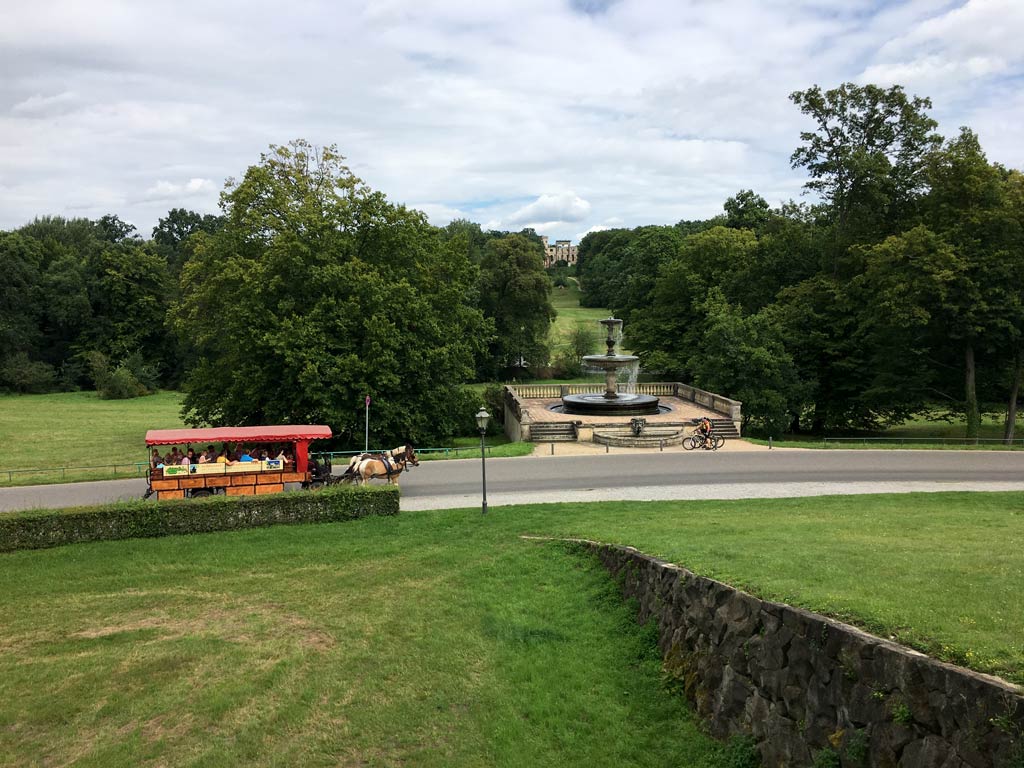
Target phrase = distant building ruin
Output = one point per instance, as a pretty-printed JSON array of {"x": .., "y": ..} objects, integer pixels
[{"x": 562, "y": 250}]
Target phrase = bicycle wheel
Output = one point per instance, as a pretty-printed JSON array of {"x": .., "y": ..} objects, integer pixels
[
  {"x": 689, "y": 443},
  {"x": 717, "y": 442}
]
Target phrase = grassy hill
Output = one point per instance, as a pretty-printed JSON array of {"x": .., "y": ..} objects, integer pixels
[{"x": 445, "y": 639}]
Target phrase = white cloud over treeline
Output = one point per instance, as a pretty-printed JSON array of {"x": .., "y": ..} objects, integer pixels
[{"x": 565, "y": 115}]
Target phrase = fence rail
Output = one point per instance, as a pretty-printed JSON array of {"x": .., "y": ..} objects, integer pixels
[
  {"x": 926, "y": 440},
  {"x": 453, "y": 451},
  {"x": 136, "y": 469},
  {"x": 547, "y": 391}
]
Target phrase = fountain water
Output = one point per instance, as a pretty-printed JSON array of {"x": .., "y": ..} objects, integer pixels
[{"x": 611, "y": 403}]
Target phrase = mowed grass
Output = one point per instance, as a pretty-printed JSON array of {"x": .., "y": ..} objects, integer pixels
[
  {"x": 78, "y": 429},
  {"x": 991, "y": 428},
  {"x": 430, "y": 640},
  {"x": 443, "y": 638},
  {"x": 918, "y": 432},
  {"x": 566, "y": 302}
]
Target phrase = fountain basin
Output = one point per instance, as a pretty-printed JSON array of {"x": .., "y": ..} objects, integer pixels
[{"x": 596, "y": 404}]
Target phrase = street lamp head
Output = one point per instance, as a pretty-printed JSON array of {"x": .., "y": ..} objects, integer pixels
[{"x": 482, "y": 417}]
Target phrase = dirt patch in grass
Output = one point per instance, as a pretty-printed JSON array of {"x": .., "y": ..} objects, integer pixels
[{"x": 244, "y": 623}]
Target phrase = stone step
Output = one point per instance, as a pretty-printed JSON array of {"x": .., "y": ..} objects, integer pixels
[
  {"x": 723, "y": 427},
  {"x": 552, "y": 432}
]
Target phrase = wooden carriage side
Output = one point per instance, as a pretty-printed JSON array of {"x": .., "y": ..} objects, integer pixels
[{"x": 247, "y": 479}]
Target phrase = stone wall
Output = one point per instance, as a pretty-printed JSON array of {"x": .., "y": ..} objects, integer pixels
[{"x": 801, "y": 684}]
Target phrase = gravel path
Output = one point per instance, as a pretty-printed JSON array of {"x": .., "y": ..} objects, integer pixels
[{"x": 699, "y": 492}]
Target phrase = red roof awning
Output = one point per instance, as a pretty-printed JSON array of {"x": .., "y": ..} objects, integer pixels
[{"x": 274, "y": 434}]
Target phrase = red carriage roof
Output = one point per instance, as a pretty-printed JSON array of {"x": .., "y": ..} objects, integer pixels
[{"x": 273, "y": 434}]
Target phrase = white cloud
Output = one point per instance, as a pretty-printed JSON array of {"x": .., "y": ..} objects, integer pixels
[
  {"x": 38, "y": 105},
  {"x": 647, "y": 111},
  {"x": 595, "y": 228},
  {"x": 552, "y": 209},
  {"x": 167, "y": 190}
]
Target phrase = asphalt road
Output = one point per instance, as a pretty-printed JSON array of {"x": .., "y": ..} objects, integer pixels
[{"x": 626, "y": 476}]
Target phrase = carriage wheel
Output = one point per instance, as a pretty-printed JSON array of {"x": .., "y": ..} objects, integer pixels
[
  {"x": 316, "y": 485},
  {"x": 201, "y": 493}
]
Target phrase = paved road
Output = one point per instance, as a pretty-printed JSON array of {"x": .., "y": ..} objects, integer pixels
[{"x": 443, "y": 484}]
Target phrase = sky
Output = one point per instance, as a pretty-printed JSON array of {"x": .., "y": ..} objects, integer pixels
[{"x": 568, "y": 116}]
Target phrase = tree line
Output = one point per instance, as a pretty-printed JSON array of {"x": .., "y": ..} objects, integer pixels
[
  {"x": 307, "y": 293},
  {"x": 898, "y": 292}
]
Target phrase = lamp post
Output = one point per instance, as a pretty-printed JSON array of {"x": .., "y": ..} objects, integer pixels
[{"x": 482, "y": 417}]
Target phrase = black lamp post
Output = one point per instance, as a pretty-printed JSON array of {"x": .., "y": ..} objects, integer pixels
[{"x": 482, "y": 417}]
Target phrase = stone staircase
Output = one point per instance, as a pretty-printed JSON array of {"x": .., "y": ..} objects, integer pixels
[
  {"x": 549, "y": 432},
  {"x": 725, "y": 428}
]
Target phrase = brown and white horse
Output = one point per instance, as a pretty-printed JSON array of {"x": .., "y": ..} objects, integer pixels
[{"x": 365, "y": 467}]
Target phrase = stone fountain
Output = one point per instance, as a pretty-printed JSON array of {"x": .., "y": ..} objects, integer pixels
[{"x": 612, "y": 402}]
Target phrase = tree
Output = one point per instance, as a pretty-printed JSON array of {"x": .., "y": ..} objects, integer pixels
[
  {"x": 648, "y": 249},
  {"x": 746, "y": 210},
  {"x": 966, "y": 205},
  {"x": 866, "y": 156},
  {"x": 21, "y": 303},
  {"x": 1013, "y": 199},
  {"x": 20, "y": 295},
  {"x": 470, "y": 235},
  {"x": 667, "y": 335},
  {"x": 599, "y": 266},
  {"x": 317, "y": 292},
  {"x": 112, "y": 229},
  {"x": 127, "y": 286},
  {"x": 911, "y": 282},
  {"x": 744, "y": 357},
  {"x": 515, "y": 293},
  {"x": 173, "y": 231}
]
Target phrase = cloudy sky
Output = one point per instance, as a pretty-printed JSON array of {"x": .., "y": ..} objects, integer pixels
[{"x": 563, "y": 115}]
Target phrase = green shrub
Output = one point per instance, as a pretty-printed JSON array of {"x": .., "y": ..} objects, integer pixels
[
  {"x": 121, "y": 384},
  {"x": 145, "y": 519},
  {"x": 20, "y": 374},
  {"x": 901, "y": 714},
  {"x": 148, "y": 376},
  {"x": 741, "y": 752},
  {"x": 113, "y": 384},
  {"x": 494, "y": 401}
]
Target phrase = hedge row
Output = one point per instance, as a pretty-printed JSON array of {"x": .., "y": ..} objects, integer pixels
[{"x": 38, "y": 529}]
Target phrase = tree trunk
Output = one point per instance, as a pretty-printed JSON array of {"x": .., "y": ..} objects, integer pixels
[
  {"x": 1011, "y": 406},
  {"x": 971, "y": 393}
]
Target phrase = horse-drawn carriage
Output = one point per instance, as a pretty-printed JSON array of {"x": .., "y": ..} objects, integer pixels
[
  {"x": 247, "y": 478},
  {"x": 268, "y": 475}
]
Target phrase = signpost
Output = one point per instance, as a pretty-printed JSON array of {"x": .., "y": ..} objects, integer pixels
[{"x": 366, "y": 445}]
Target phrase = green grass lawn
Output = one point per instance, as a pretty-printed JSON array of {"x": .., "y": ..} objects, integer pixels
[
  {"x": 442, "y": 638},
  {"x": 78, "y": 429},
  {"x": 566, "y": 302},
  {"x": 917, "y": 432},
  {"x": 919, "y": 426}
]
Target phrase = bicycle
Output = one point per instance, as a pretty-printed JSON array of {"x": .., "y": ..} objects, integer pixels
[{"x": 700, "y": 440}]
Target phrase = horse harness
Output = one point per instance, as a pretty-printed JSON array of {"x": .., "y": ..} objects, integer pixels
[{"x": 392, "y": 464}]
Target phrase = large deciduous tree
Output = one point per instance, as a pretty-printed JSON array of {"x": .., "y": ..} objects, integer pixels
[
  {"x": 172, "y": 233},
  {"x": 316, "y": 292},
  {"x": 866, "y": 156},
  {"x": 969, "y": 205},
  {"x": 515, "y": 294}
]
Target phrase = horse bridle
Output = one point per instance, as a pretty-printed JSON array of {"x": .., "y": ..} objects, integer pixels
[{"x": 410, "y": 457}]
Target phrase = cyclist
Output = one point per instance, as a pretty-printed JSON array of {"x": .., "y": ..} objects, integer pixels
[{"x": 704, "y": 429}]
